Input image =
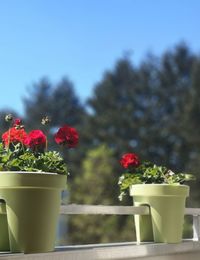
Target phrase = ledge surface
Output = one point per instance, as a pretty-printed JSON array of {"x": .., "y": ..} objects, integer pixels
[{"x": 126, "y": 251}]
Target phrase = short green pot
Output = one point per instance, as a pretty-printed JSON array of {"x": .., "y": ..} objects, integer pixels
[
  {"x": 167, "y": 206},
  {"x": 32, "y": 206},
  {"x": 4, "y": 239}
]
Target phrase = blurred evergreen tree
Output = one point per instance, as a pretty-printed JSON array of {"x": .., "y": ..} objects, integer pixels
[
  {"x": 141, "y": 109},
  {"x": 58, "y": 101},
  {"x": 66, "y": 106},
  {"x": 95, "y": 185},
  {"x": 191, "y": 131},
  {"x": 37, "y": 103},
  {"x": 174, "y": 88}
]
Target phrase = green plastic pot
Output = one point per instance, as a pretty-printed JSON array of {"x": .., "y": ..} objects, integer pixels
[
  {"x": 167, "y": 206},
  {"x": 4, "y": 240},
  {"x": 32, "y": 206}
]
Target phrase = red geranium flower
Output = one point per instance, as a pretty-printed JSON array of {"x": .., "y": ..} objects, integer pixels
[
  {"x": 14, "y": 135},
  {"x": 129, "y": 160},
  {"x": 17, "y": 122},
  {"x": 67, "y": 135},
  {"x": 36, "y": 140}
]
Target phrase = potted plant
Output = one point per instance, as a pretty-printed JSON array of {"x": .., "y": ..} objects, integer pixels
[
  {"x": 163, "y": 191},
  {"x": 31, "y": 181}
]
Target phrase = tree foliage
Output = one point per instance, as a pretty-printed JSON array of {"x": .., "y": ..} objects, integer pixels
[
  {"x": 96, "y": 185},
  {"x": 143, "y": 108},
  {"x": 37, "y": 103}
]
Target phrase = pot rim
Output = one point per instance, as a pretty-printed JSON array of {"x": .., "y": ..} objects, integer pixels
[
  {"x": 156, "y": 189},
  {"x": 161, "y": 184},
  {"x": 29, "y": 172},
  {"x": 17, "y": 179}
]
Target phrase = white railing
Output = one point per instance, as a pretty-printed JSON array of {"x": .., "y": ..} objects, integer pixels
[
  {"x": 188, "y": 249},
  {"x": 74, "y": 209}
]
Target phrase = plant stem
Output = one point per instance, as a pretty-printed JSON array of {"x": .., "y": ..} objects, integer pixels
[{"x": 8, "y": 140}]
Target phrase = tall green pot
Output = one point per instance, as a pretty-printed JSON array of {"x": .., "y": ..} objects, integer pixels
[
  {"x": 32, "y": 206},
  {"x": 167, "y": 206}
]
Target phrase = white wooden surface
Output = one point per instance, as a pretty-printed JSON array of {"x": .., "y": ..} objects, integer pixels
[{"x": 121, "y": 251}]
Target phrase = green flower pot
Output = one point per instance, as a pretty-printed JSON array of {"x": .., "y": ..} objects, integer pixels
[
  {"x": 32, "y": 206},
  {"x": 4, "y": 240},
  {"x": 167, "y": 206}
]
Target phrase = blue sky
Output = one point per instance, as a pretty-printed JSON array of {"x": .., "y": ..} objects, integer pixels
[{"x": 83, "y": 38}]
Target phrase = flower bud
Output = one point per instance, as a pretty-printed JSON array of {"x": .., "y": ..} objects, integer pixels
[
  {"x": 170, "y": 173},
  {"x": 45, "y": 120},
  {"x": 18, "y": 124},
  {"x": 17, "y": 121},
  {"x": 8, "y": 118}
]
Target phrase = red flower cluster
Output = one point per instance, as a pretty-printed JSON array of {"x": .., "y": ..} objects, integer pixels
[
  {"x": 67, "y": 135},
  {"x": 129, "y": 160},
  {"x": 36, "y": 140},
  {"x": 14, "y": 135}
]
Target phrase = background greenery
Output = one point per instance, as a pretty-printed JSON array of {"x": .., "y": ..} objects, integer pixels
[{"x": 152, "y": 109}]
